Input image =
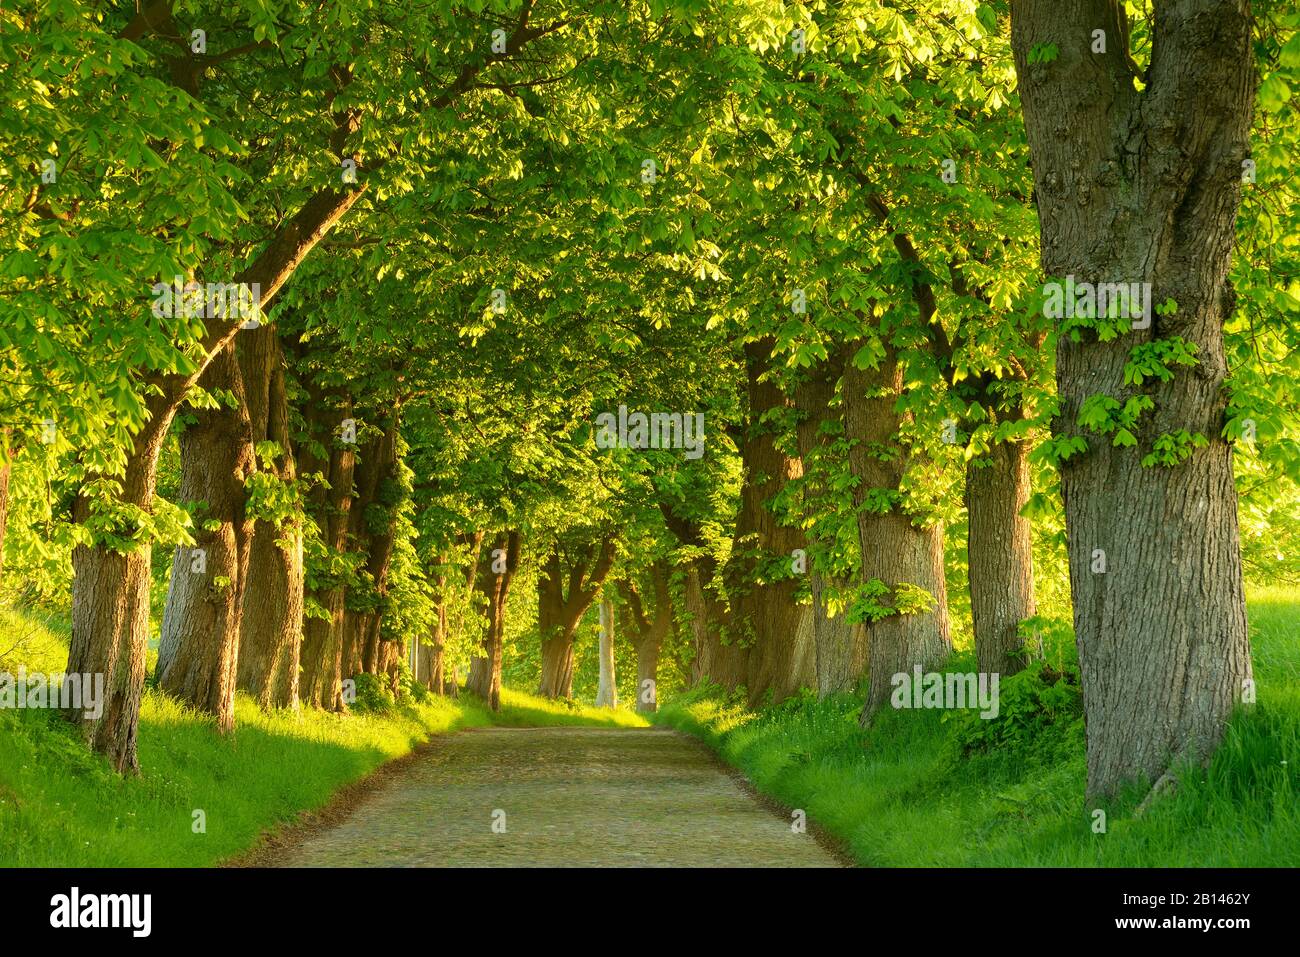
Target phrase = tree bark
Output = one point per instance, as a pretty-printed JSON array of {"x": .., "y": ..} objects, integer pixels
[
  {"x": 1141, "y": 186},
  {"x": 198, "y": 650},
  {"x": 322, "y": 647},
  {"x": 895, "y": 550},
  {"x": 271, "y": 636},
  {"x": 769, "y": 628},
  {"x": 561, "y": 610},
  {"x": 840, "y": 647},
  {"x": 607, "y": 688},
  {"x": 485, "y": 671},
  {"x": 647, "y": 630},
  {"x": 1000, "y": 558}
]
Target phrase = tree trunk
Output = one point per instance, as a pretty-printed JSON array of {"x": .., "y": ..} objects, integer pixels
[
  {"x": 485, "y": 671},
  {"x": 110, "y": 606},
  {"x": 559, "y": 613},
  {"x": 271, "y": 637},
  {"x": 1000, "y": 558},
  {"x": 647, "y": 631},
  {"x": 770, "y": 629},
  {"x": 895, "y": 551},
  {"x": 840, "y": 648},
  {"x": 322, "y": 647},
  {"x": 1143, "y": 186},
  {"x": 607, "y": 688},
  {"x": 198, "y": 650}
]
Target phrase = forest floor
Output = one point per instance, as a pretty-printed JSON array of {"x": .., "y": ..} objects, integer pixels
[{"x": 554, "y": 797}]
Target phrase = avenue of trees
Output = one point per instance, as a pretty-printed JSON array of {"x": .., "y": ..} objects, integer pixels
[{"x": 815, "y": 240}]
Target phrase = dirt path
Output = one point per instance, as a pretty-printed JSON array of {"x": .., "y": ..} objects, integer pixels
[{"x": 567, "y": 797}]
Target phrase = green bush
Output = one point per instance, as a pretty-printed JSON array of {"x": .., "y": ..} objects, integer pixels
[{"x": 373, "y": 696}]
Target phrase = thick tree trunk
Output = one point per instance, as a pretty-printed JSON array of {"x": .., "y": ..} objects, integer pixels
[
  {"x": 110, "y": 607},
  {"x": 198, "y": 650},
  {"x": 485, "y": 671},
  {"x": 840, "y": 647},
  {"x": 322, "y": 647},
  {"x": 772, "y": 629},
  {"x": 647, "y": 630},
  {"x": 560, "y": 611},
  {"x": 271, "y": 637},
  {"x": 1000, "y": 558},
  {"x": 607, "y": 687},
  {"x": 895, "y": 551},
  {"x": 1143, "y": 186}
]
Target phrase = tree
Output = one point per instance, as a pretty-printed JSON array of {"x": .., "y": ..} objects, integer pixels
[{"x": 1138, "y": 172}]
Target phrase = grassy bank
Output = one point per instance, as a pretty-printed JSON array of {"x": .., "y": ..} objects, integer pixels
[
  {"x": 934, "y": 788},
  {"x": 62, "y": 806}
]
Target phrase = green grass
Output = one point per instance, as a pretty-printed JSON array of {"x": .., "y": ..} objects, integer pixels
[
  {"x": 60, "y": 805},
  {"x": 906, "y": 793}
]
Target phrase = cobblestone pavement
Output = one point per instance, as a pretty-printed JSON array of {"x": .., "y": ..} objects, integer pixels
[{"x": 581, "y": 797}]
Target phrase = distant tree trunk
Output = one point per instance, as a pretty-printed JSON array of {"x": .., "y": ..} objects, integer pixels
[
  {"x": 198, "y": 651},
  {"x": 895, "y": 550},
  {"x": 1000, "y": 557},
  {"x": 1142, "y": 185},
  {"x": 485, "y": 671},
  {"x": 774, "y": 631},
  {"x": 271, "y": 636},
  {"x": 647, "y": 630},
  {"x": 706, "y": 612},
  {"x": 561, "y": 610},
  {"x": 607, "y": 689},
  {"x": 322, "y": 647}
]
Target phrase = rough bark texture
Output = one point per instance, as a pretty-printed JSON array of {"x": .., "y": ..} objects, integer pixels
[
  {"x": 485, "y": 670},
  {"x": 1000, "y": 558},
  {"x": 648, "y": 629},
  {"x": 561, "y": 607},
  {"x": 1143, "y": 186},
  {"x": 607, "y": 688},
  {"x": 895, "y": 550},
  {"x": 271, "y": 636},
  {"x": 840, "y": 647},
  {"x": 322, "y": 646},
  {"x": 198, "y": 650},
  {"x": 771, "y": 633},
  {"x": 110, "y": 607}
]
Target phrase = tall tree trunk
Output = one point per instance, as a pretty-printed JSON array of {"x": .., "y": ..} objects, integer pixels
[
  {"x": 840, "y": 647},
  {"x": 110, "y": 606},
  {"x": 271, "y": 637},
  {"x": 198, "y": 650},
  {"x": 372, "y": 522},
  {"x": 1142, "y": 186},
  {"x": 560, "y": 611},
  {"x": 774, "y": 630},
  {"x": 1000, "y": 557},
  {"x": 647, "y": 630},
  {"x": 322, "y": 647},
  {"x": 895, "y": 550},
  {"x": 485, "y": 671},
  {"x": 607, "y": 688}
]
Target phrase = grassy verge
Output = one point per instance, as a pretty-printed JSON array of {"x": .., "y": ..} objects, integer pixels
[
  {"x": 61, "y": 806},
  {"x": 930, "y": 788}
]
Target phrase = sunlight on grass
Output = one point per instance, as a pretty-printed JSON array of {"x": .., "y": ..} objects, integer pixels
[{"x": 904, "y": 794}]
